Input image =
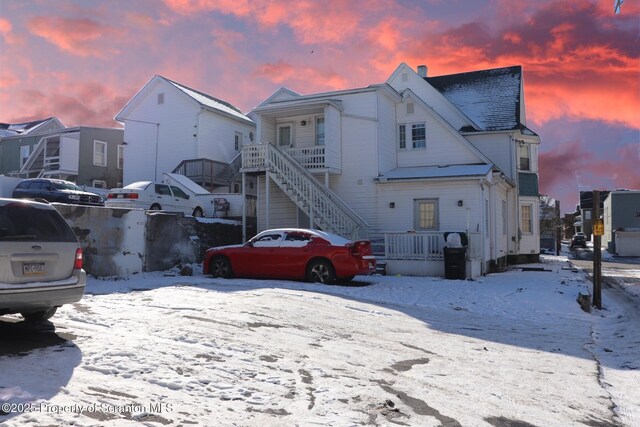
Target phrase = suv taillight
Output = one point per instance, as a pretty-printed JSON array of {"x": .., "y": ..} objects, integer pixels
[{"x": 77, "y": 264}]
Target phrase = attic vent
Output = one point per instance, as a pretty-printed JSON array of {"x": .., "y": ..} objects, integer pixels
[
  {"x": 161, "y": 98},
  {"x": 410, "y": 108},
  {"x": 405, "y": 77}
]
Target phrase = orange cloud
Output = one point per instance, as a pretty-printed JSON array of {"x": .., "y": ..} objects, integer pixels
[
  {"x": 304, "y": 79},
  {"x": 79, "y": 37}
]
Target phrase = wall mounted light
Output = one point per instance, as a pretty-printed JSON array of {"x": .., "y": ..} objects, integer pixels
[
  {"x": 303, "y": 123},
  {"x": 460, "y": 203},
  {"x": 392, "y": 205}
]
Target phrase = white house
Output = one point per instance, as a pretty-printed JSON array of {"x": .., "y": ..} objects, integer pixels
[
  {"x": 170, "y": 127},
  {"x": 403, "y": 162}
]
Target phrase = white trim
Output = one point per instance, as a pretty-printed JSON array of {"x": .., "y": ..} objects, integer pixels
[{"x": 120, "y": 164}]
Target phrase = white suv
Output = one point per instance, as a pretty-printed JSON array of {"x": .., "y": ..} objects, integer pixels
[{"x": 40, "y": 260}]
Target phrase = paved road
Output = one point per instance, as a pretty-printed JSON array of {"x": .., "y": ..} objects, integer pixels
[{"x": 622, "y": 273}]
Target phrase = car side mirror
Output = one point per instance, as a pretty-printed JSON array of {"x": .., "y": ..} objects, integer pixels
[{"x": 188, "y": 196}]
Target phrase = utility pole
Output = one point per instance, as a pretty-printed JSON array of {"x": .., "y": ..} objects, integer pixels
[
  {"x": 598, "y": 231},
  {"x": 558, "y": 223}
]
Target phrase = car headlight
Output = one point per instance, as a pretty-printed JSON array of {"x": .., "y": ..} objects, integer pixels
[{"x": 74, "y": 197}]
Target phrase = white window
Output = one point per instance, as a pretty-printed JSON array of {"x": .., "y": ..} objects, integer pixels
[
  {"x": 418, "y": 135},
  {"x": 99, "y": 153},
  {"x": 524, "y": 157},
  {"x": 120, "y": 156},
  {"x": 320, "y": 131},
  {"x": 237, "y": 141},
  {"x": 426, "y": 214},
  {"x": 402, "y": 137},
  {"x": 526, "y": 219},
  {"x": 98, "y": 183},
  {"x": 24, "y": 154},
  {"x": 504, "y": 217},
  {"x": 285, "y": 135}
]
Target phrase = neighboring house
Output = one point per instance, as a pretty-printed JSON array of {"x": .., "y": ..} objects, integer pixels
[
  {"x": 90, "y": 156},
  {"x": 550, "y": 225},
  {"x": 402, "y": 163},
  {"x": 15, "y": 134},
  {"x": 172, "y": 128},
  {"x": 621, "y": 214}
]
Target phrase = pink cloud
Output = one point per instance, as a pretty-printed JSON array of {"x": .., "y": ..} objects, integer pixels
[{"x": 81, "y": 36}]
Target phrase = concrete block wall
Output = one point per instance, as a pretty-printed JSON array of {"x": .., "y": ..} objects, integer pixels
[{"x": 120, "y": 242}]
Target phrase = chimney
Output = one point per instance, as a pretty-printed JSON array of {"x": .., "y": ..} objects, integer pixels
[{"x": 422, "y": 71}]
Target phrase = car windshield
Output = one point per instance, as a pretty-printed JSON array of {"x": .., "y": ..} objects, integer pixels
[
  {"x": 21, "y": 221},
  {"x": 60, "y": 185}
]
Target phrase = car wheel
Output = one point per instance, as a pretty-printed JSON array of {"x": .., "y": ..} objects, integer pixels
[
  {"x": 155, "y": 207},
  {"x": 220, "y": 267},
  {"x": 320, "y": 271},
  {"x": 39, "y": 316},
  {"x": 197, "y": 212}
]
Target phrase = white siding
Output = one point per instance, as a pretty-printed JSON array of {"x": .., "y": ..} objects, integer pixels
[
  {"x": 432, "y": 97},
  {"x": 282, "y": 211},
  {"x": 333, "y": 137},
  {"x": 266, "y": 131},
  {"x": 173, "y": 139},
  {"x": 216, "y": 137},
  {"x": 499, "y": 149},
  {"x": 443, "y": 146},
  {"x": 388, "y": 154}
]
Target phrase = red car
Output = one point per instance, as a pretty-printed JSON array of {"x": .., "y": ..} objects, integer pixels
[{"x": 293, "y": 253}]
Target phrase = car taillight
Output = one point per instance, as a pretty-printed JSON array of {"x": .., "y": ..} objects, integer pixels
[
  {"x": 111, "y": 196},
  {"x": 360, "y": 248},
  {"x": 77, "y": 264},
  {"x": 131, "y": 196}
]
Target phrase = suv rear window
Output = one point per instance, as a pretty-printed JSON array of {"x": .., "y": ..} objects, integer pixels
[{"x": 24, "y": 222}]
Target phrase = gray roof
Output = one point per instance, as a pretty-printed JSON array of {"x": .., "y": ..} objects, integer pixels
[
  {"x": 491, "y": 98},
  {"x": 424, "y": 172},
  {"x": 13, "y": 129}
]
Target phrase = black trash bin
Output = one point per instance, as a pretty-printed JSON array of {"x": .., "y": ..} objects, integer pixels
[
  {"x": 455, "y": 263},
  {"x": 455, "y": 258}
]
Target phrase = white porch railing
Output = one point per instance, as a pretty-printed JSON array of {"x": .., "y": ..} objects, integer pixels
[
  {"x": 426, "y": 246},
  {"x": 309, "y": 157},
  {"x": 423, "y": 246}
]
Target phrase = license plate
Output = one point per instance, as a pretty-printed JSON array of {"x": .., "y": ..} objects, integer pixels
[{"x": 32, "y": 268}]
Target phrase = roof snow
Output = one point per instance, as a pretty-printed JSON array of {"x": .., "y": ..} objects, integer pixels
[
  {"x": 12, "y": 129},
  {"x": 211, "y": 102},
  {"x": 491, "y": 98}
]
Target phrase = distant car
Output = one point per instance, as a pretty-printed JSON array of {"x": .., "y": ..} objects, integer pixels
[
  {"x": 40, "y": 260},
  {"x": 579, "y": 239},
  {"x": 292, "y": 253},
  {"x": 56, "y": 190},
  {"x": 154, "y": 196}
]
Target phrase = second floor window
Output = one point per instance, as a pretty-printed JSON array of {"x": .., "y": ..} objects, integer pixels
[
  {"x": 237, "y": 141},
  {"x": 419, "y": 135},
  {"x": 524, "y": 157},
  {"x": 402, "y": 137},
  {"x": 99, "y": 153},
  {"x": 24, "y": 154},
  {"x": 320, "y": 131}
]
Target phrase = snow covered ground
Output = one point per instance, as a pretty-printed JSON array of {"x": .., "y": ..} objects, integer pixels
[{"x": 508, "y": 349}]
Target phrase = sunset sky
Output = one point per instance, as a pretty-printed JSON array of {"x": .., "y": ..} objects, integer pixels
[{"x": 83, "y": 60}]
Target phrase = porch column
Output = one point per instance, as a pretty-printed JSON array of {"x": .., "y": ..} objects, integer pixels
[
  {"x": 267, "y": 201},
  {"x": 244, "y": 208}
]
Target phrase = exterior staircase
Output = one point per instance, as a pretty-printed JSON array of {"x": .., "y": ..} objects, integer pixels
[{"x": 326, "y": 209}]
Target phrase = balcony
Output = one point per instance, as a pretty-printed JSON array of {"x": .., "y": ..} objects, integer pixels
[{"x": 314, "y": 159}]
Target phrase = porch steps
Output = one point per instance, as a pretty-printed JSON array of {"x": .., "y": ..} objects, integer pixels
[{"x": 325, "y": 208}]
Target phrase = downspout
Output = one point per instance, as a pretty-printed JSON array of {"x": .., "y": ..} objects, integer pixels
[{"x": 482, "y": 227}]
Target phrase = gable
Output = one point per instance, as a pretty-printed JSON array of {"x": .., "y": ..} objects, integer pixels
[
  {"x": 444, "y": 144},
  {"x": 491, "y": 98},
  {"x": 404, "y": 78}
]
